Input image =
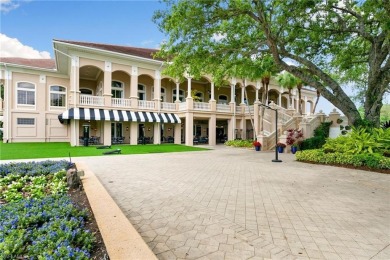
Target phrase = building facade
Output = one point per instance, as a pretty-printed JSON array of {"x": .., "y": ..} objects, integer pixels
[{"x": 106, "y": 94}]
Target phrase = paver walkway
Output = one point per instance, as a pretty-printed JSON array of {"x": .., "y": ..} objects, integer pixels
[{"x": 231, "y": 203}]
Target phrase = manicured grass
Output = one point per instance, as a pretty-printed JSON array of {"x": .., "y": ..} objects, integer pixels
[{"x": 12, "y": 151}]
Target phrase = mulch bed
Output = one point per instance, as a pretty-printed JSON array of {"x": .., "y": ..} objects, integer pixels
[{"x": 79, "y": 197}]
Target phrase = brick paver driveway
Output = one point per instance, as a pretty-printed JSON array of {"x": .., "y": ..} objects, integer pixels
[{"x": 232, "y": 203}]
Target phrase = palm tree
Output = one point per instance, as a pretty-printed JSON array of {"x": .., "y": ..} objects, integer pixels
[{"x": 287, "y": 80}]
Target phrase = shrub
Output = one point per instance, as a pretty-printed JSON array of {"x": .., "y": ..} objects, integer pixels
[
  {"x": 319, "y": 138},
  {"x": 374, "y": 161},
  {"x": 240, "y": 143}
]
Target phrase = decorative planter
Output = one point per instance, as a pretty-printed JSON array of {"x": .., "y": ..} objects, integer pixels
[
  {"x": 294, "y": 149},
  {"x": 257, "y": 148},
  {"x": 280, "y": 149}
]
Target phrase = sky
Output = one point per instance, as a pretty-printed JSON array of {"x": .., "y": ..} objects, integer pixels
[{"x": 28, "y": 27}]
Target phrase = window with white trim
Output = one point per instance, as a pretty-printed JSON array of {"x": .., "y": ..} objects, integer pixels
[
  {"x": 25, "y": 121},
  {"x": 117, "y": 89},
  {"x": 25, "y": 93},
  {"x": 57, "y": 96},
  {"x": 181, "y": 95},
  {"x": 141, "y": 92}
]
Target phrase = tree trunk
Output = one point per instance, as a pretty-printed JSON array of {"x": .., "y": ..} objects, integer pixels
[{"x": 264, "y": 98}]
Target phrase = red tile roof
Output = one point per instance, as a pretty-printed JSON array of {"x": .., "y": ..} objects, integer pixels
[
  {"x": 135, "y": 51},
  {"x": 37, "y": 63}
]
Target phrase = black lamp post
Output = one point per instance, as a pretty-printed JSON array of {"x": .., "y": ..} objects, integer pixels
[{"x": 276, "y": 132}]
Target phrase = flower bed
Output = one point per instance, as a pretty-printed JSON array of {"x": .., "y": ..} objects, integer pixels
[{"x": 38, "y": 219}]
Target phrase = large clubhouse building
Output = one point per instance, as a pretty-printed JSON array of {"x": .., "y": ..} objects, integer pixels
[{"x": 106, "y": 94}]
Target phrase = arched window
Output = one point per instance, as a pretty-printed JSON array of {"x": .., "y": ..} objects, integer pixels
[
  {"x": 181, "y": 95},
  {"x": 117, "y": 89},
  {"x": 57, "y": 96},
  {"x": 222, "y": 99},
  {"x": 85, "y": 91},
  {"x": 25, "y": 93},
  {"x": 141, "y": 92}
]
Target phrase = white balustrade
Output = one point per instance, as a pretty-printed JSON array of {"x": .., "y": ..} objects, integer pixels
[
  {"x": 120, "y": 102},
  {"x": 168, "y": 106},
  {"x": 249, "y": 110},
  {"x": 146, "y": 104},
  {"x": 91, "y": 100},
  {"x": 202, "y": 106},
  {"x": 182, "y": 106},
  {"x": 223, "y": 108}
]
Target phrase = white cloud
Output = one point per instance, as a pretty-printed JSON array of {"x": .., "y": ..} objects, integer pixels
[
  {"x": 8, "y": 5},
  {"x": 12, "y": 47}
]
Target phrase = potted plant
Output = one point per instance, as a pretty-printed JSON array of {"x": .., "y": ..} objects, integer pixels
[
  {"x": 257, "y": 145},
  {"x": 294, "y": 148},
  {"x": 280, "y": 146},
  {"x": 294, "y": 138}
]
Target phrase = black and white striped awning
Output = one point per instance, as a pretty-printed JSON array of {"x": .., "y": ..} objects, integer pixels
[{"x": 80, "y": 113}]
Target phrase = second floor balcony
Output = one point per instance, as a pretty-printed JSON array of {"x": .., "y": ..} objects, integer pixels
[{"x": 125, "y": 103}]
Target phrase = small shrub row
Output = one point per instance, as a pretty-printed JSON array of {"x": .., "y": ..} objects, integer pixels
[
  {"x": 371, "y": 160},
  {"x": 240, "y": 143}
]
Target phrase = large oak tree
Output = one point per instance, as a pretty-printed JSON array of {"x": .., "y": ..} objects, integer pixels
[{"x": 326, "y": 44}]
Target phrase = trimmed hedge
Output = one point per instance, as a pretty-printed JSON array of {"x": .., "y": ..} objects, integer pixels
[
  {"x": 319, "y": 138},
  {"x": 240, "y": 143},
  {"x": 373, "y": 161}
]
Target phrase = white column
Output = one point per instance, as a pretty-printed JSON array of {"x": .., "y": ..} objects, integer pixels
[
  {"x": 74, "y": 90},
  {"x": 157, "y": 85},
  {"x": 304, "y": 106},
  {"x": 134, "y": 87},
  {"x": 280, "y": 99},
  {"x": 189, "y": 87},
  {"x": 242, "y": 94},
  {"x": 212, "y": 91},
  {"x": 177, "y": 91},
  {"x": 107, "y": 83},
  {"x": 257, "y": 90},
  {"x": 232, "y": 92}
]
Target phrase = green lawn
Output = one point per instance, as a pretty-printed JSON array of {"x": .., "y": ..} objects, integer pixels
[{"x": 12, "y": 151}]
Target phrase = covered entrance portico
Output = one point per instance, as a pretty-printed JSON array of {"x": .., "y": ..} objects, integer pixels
[{"x": 125, "y": 121}]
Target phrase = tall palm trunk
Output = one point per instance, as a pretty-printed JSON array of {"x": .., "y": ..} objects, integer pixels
[
  {"x": 318, "y": 98},
  {"x": 299, "y": 87},
  {"x": 264, "y": 99}
]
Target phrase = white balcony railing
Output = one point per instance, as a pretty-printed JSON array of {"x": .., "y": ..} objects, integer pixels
[
  {"x": 168, "y": 106},
  {"x": 202, "y": 106},
  {"x": 249, "y": 110},
  {"x": 91, "y": 100},
  {"x": 120, "y": 102},
  {"x": 223, "y": 108},
  {"x": 143, "y": 104},
  {"x": 182, "y": 106}
]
